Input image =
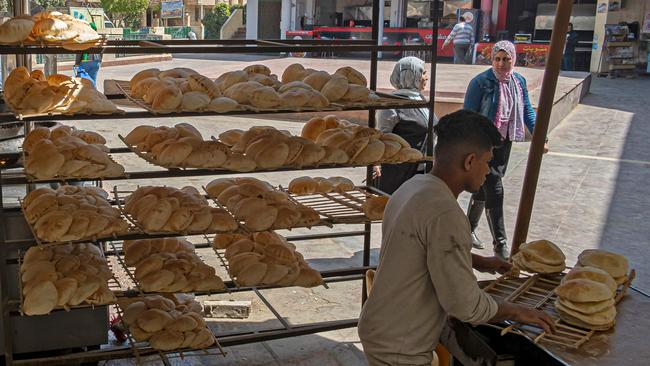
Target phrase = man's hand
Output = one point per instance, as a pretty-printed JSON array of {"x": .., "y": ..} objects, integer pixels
[
  {"x": 490, "y": 264},
  {"x": 376, "y": 171},
  {"x": 536, "y": 317},
  {"x": 546, "y": 148}
]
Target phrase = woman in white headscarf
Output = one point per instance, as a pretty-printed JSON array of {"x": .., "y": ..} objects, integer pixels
[{"x": 409, "y": 78}]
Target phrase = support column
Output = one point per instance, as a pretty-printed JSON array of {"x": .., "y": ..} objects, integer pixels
[
  {"x": 285, "y": 18},
  {"x": 251, "y": 19},
  {"x": 486, "y": 18},
  {"x": 397, "y": 15},
  {"x": 22, "y": 7},
  {"x": 502, "y": 15}
]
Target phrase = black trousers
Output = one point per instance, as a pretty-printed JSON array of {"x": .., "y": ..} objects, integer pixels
[{"x": 492, "y": 190}]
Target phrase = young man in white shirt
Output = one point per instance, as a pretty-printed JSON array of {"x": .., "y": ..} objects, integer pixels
[{"x": 425, "y": 264}]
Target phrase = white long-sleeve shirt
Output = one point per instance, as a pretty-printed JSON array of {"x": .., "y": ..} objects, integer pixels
[{"x": 424, "y": 275}]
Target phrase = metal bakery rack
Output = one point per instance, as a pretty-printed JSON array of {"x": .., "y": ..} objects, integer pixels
[{"x": 24, "y": 339}]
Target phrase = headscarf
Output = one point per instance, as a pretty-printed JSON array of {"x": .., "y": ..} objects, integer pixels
[
  {"x": 509, "y": 48},
  {"x": 407, "y": 73}
]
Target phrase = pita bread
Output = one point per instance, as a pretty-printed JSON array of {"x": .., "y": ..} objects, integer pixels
[
  {"x": 535, "y": 267},
  {"x": 587, "y": 307},
  {"x": 612, "y": 263},
  {"x": 601, "y": 318},
  {"x": 543, "y": 251},
  {"x": 581, "y": 290},
  {"x": 593, "y": 274}
]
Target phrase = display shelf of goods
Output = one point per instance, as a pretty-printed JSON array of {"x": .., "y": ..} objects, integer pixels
[
  {"x": 66, "y": 152},
  {"x": 72, "y": 214},
  {"x": 63, "y": 277},
  {"x": 50, "y": 28},
  {"x": 581, "y": 302},
  {"x": 33, "y": 94}
]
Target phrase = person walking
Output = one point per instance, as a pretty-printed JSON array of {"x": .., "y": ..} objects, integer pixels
[
  {"x": 501, "y": 95},
  {"x": 409, "y": 78},
  {"x": 425, "y": 271},
  {"x": 87, "y": 65},
  {"x": 568, "y": 59},
  {"x": 463, "y": 37}
]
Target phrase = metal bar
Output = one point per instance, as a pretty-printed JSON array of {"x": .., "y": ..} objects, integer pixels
[
  {"x": 27, "y": 50},
  {"x": 432, "y": 82},
  {"x": 11, "y": 118},
  {"x": 277, "y": 315},
  {"x": 546, "y": 100}
]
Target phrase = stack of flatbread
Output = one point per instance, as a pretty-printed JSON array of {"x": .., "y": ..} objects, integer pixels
[
  {"x": 179, "y": 90},
  {"x": 72, "y": 213},
  {"x": 362, "y": 145},
  {"x": 36, "y": 94},
  {"x": 614, "y": 264},
  {"x": 266, "y": 258},
  {"x": 183, "y": 146},
  {"x": 66, "y": 152},
  {"x": 373, "y": 207},
  {"x": 345, "y": 85},
  {"x": 51, "y": 27},
  {"x": 172, "y": 210},
  {"x": 259, "y": 206},
  {"x": 167, "y": 325},
  {"x": 541, "y": 256},
  {"x": 169, "y": 265},
  {"x": 63, "y": 276},
  {"x": 303, "y": 186},
  {"x": 586, "y": 299},
  {"x": 270, "y": 148}
]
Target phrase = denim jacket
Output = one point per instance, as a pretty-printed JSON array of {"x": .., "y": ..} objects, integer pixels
[{"x": 482, "y": 96}]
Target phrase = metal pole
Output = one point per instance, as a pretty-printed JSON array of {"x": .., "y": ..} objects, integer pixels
[
  {"x": 371, "y": 124},
  {"x": 22, "y": 7},
  {"x": 435, "y": 16},
  {"x": 558, "y": 37}
]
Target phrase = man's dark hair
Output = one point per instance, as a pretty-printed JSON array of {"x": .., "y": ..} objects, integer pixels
[
  {"x": 465, "y": 127},
  {"x": 462, "y": 18}
]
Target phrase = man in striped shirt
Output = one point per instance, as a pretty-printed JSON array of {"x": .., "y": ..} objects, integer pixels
[{"x": 463, "y": 37}]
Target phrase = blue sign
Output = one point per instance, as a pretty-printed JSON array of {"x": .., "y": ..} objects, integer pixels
[{"x": 171, "y": 9}]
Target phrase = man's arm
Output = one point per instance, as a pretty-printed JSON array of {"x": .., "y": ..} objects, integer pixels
[
  {"x": 490, "y": 264},
  {"x": 522, "y": 314},
  {"x": 451, "y": 36}
]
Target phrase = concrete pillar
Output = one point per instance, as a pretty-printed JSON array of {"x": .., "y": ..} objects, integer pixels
[
  {"x": 380, "y": 35},
  {"x": 251, "y": 19},
  {"x": 200, "y": 21},
  {"x": 285, "y": 17},
  {"x": 397, "y": 15},
  {"x": 486, "y": 18}
]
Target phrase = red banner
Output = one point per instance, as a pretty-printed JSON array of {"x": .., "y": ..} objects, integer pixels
[{"x": 528, "y": 54}]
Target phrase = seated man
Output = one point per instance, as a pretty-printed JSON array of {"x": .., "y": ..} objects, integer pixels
[{"x": 425, "y": 264}]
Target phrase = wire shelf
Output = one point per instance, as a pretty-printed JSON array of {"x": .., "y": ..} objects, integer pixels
[
  {"x": 113, "y": 284},
  {"x": 538, "y": 292},
  {"x": 339, "y": 208},
  {"x": 132, "y": 230}
]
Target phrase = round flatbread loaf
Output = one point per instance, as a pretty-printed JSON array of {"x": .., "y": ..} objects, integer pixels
[
  {"x": 601, "y": 318},
  {"x": 612, "y": 263},
  {"x": 587, "y": 307},
  {"x": 543, "y": 251},
  {"x": 593, "y": 274},
  {"x": 582, "y": 290}
]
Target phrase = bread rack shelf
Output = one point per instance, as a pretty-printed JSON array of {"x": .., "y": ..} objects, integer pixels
[{"x": 15, "y": 235}]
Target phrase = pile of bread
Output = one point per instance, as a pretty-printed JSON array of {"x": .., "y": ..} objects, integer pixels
[
  {"x": 63, "y": 276},
  {"x": 303, "y": 186},
  {"x": 168, "y": 325},
  {"x": 51, "y": 27},
  {"x": 586, "y": 297},
  {"x": 66, "y": 152},
  {"x": 345, "y": 85},
  {"x": 173, "y": 210},
  {"x": 169, "y": 265},
  {"x": 541, "y": 256},
  {"x": 269, "y": 148},
  {"x": 72, "y": 213},
  {"x": 259, "y": 206},
  {"x": 179, "y": 90},
  {"x": 362, "y": 145},
  {"x": 33, "y": 93},
  {"x": 266, "y": 258},
  {"x": 182, "y": 146}
]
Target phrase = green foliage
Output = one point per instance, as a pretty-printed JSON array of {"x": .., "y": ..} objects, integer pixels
[
  {"x": 214, "y": 20},
  {"x": 125, "y": 13}
]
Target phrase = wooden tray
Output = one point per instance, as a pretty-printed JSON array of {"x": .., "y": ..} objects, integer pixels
[{"x": 537, "y": 292}]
